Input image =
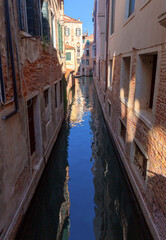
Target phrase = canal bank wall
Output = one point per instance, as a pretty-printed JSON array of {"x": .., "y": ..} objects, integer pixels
[
  {"x": 31, "y": 102},
  {"x": 136, "y": 185}
]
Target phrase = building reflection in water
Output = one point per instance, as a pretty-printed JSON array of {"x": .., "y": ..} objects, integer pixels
[{"x": 117, "y": 215}]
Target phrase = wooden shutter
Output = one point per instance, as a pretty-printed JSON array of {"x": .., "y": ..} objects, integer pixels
[
  {"x": 45, "y": 21},
  {"x": 60, "y": 39}
]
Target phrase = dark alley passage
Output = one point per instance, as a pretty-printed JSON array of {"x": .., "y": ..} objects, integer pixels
[{"x": 84, "y": 192}]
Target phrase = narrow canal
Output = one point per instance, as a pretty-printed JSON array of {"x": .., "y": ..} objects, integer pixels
[{"x": 84, "y": 193}]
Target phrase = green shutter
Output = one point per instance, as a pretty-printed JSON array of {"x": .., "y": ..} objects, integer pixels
[
  {"x": 68, "y": 56},
  {"x": 45, "y": 21},
  {"x": 60, "y": 37}
]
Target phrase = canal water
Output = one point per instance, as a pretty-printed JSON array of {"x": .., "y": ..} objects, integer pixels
[{"x": 84, "y": 193}]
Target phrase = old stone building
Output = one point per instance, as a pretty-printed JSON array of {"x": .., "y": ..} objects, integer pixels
[
  {"x": 130, "y": 77},
  {"x": 31, "y": 100},
  {"x": 73, "y": 38},
  {"x": 87, "y": 60}
]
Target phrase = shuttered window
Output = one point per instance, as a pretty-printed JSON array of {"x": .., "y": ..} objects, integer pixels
[
  {"x": 68, "y": 56},
  {"x": 67, "y": 31},
  {"x": 78, "y": 32},
  {"x": 45, "y": 22},
  {"x": 60, "y": 38}
]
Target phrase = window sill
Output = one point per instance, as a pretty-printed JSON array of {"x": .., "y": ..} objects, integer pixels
[
  {"x": 144, "y": 4},
  {"x": 110, "y": 89},
  {"x": 125, "y": 101},
  {"x": 27, "y": 35},
  {"x": 129, "y": 19},
  {"x": 146, "y": 117},
  {"x": 111, "y": 36}
]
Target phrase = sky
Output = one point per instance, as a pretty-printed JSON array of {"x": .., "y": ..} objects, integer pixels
[{"x": 80, "y": 9}]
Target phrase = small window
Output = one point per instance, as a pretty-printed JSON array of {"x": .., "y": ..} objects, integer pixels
[
  {"x": 78, "y": 61},
  {"x": 87, "y": 43},
  {"x": 83, "y": 61},
  {"x": 87, "y": 52},
  {"x": 83, "y": 69},
  {"x": 140, "y": 160},
  {"x": 110, "y": 73},
  {"x": 56, "y": 102},
  {"x": 46, "y": 98},
  {"x": 87, "y": 62},
  {"x": 122, "y": 131},
  {"x": 67, "y": 32},
  {"x": 113, "y": 16},
  {"x": 78, "y": 49},
  {"x": 109, "y": 109},
  {"x": 131, "y": 7},
  {"x": 68, "y": 56},
  {"x": 78, "y": 32},
  {"x": 125, "y": 78},
  {"x": 61, "y": 92},
  {"x": 145, "y": 81}
]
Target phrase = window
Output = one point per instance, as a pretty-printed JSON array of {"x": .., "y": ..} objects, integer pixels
[
  {"x": 78, "y": 32},
  {"x": 110, "y": 73},
  {"x": 131, "y": 7},
  {"x": 68, "y": 56},
  {"x": 83, "y": 40},
  {"x": 67, "y": 32},
  {"x": 125, "y": 78},
  {"x": 45, "y": 22},
  {"x": 109, "y": 109},
  {"x": 78, "y": 49},
  {"x": 29, "y": 16},
  {"x": 83, "y": 70},
  {"x": 140, "y": 160},
  {"x": 53, "y": 30},
  {"x": 83, "y": 61},
  {"x": 87, "y": 62},
  {"x": 145, "y": 81},
  {"x": 122, "y": 131},
  {"x": 78, "y": 61},
  {"x": 88, "y": 43},
  {"x": 61, "y": 92},
  {"x": 113, "y": 16},
  {"x": 87, "y": 52},
  {"x": 46, "y": 98},
  {"x": 56, "y": 100}
]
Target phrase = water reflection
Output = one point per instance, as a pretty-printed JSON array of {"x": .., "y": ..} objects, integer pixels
[{"x": 84, "y": 193}]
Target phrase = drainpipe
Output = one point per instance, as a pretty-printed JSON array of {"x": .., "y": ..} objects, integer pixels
[
  {"x": 107, "y": 34},
  {"x": 3, "y": 96},
  {"x": 7, "y": 18}
]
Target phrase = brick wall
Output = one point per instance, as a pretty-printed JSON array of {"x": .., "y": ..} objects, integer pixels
[{"x": 150, "y": 139}]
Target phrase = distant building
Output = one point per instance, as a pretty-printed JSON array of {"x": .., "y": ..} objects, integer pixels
[
  {"x": 73, "y": 38},
  {"x": 87, "y": 61},
  {"x": 130, "y": 78}
]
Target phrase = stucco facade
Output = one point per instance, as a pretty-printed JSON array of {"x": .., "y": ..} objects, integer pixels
[
  {"x": 87, "y": 60},
  {"x": 130, "y": 39},
  {"x": 73, "y": 38},
  {"x": 31, "y": 104}
]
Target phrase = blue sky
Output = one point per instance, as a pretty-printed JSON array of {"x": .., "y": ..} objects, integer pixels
[{"x": 80, "y": 9}]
